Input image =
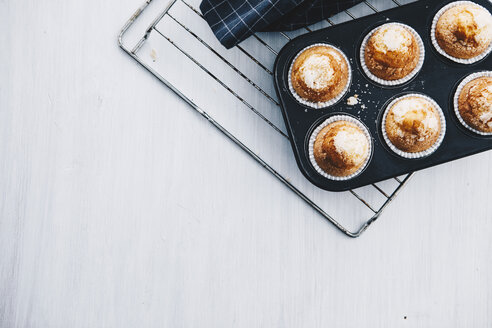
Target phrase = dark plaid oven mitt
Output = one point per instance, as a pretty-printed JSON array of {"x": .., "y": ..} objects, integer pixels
[{"x": 232, "y": 21}]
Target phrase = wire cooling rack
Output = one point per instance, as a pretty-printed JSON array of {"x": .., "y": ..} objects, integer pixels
[{"x": 233, "y": 90}]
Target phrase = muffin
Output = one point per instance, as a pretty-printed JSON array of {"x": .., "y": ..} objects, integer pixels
[
  {"x": 341, "y": 147},
  {"x": 392, "y": 52},
  {"x": 475, "y": 104},
  {"x": 412, "y": 124},
  {"x": 319, "y": 75},
  {"x": 464, "y": 30}
]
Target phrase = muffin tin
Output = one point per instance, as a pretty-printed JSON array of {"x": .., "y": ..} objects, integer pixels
[{"x": 438, "y": 79}]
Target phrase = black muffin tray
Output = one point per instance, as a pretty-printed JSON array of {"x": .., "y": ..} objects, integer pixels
[{"x": 438, "y": 79}]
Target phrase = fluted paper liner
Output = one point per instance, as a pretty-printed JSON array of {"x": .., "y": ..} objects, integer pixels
[
  {"x": 440, "y": 50},
  {"x": 312, "y": 139},
  {"x": 460, "y": 87},
  {"x": 426, "y": 152},
  {"x": 403, "y": 79},
  {"x": 331, "y": 101}
]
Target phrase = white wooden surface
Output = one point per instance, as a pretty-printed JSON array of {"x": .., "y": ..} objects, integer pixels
[{"x": 118, "y": 210}]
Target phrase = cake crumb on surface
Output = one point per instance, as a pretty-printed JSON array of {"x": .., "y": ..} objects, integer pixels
[
  {"x": 153, "y": 55},
  {"x": 353, "y": 100}
]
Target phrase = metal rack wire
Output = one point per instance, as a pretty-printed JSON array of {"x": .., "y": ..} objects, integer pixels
[{"x": 180, "y": 20}]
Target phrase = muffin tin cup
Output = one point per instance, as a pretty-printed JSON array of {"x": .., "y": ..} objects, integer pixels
[
  {"x": 405, "y": 79},
  {"x": 438, "y": 47},
  {"x": 331, "y": 101},
  {"x": 426, "y": 152},
  {"x": 456, "y": 97},
  {"x": 312, "y": 139},
  {"x": 437, "y": 79}
]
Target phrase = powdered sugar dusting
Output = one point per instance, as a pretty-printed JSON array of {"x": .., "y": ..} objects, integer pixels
[
  {"x": 431, "y": 122},
  {"x": 483, "y": 20},
  {"x": 486, "y": 117},
  {"x": 393, "y": 38},
  {"x": 402, "y": 108},
  {"x": 317, "y": 71},
  {"x": 485, "y": 102},
  {"x": 409, "y": 109},
  {"x": 353, "y": 144}
]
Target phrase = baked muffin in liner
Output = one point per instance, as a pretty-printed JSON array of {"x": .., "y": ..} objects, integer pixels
[
  {"x": 441, "y": 50},
  {"x": 456, "y": 97},
  {"x": 426, "y": 152},
  {"x": 328, "y": 121},
  {"x": 330, "y": 102},
  {"x": 409, "y": 76}
]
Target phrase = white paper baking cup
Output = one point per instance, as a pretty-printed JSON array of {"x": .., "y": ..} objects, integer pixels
[
  {"x": 331, "y": 101},
  {"x": 312, "y": 139},
  {"x": 426, "y": 152},
  {"x": 407, "y": 78},
  {"x": 440, "y": 50},
  {"x": 460, "y": 87}
]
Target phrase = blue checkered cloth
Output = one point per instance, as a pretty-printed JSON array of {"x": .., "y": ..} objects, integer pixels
[{"x": 232, "y": 21}]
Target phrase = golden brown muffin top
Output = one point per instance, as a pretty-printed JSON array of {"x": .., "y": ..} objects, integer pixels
[
  {"x": 341, "y": 148},
  {"x": 464, "y": 31},
  {"x": 413, "y": 124},
  {"x": 319, "y": 74},
  {"x": 392, "y": 52},
  {"x": 475, "y": 104}
]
